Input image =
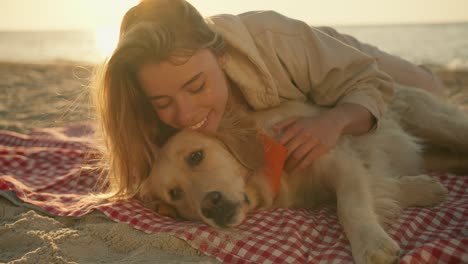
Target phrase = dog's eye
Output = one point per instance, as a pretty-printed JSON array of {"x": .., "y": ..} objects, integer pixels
[
  {"x": 175, "y": 194},
  {"x": 195, "y": 158}
]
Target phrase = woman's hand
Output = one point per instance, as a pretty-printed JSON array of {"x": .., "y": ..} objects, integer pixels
[{"x": 307, "y": 138}]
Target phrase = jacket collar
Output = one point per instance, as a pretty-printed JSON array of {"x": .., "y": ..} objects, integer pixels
[{"x": 244, "y": 65}]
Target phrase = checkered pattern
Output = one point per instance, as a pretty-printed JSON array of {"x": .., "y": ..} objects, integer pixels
[{"x": 43, "y": 169}]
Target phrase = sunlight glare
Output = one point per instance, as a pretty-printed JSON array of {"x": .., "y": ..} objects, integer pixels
[{"x": 106, "y": 38}]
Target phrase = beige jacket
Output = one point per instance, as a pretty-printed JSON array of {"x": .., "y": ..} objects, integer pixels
[{"x": 273, "y": 58}]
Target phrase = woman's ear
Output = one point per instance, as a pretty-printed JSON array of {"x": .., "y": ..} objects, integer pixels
[{"x": 238, "y": 132}]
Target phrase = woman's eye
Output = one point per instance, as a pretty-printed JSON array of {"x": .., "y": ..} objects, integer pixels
[
  {"x": 175, "y": 194},
  {"x": 195, "y": 158},
  {"x": 197, "y": 89},
  {"x": 161, "y": 103}
]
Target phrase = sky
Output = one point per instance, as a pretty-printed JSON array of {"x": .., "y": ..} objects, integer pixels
[{"x": 18, "y": 15}]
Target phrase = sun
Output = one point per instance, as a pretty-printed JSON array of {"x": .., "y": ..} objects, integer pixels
[
  {"x": 106, "y": 38},
  {"x": 106, "y": 30}
]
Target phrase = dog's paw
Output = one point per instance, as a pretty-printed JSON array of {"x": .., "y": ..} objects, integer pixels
[
  {"x": 423, "y": 190},
  {"x": 436, "y": 192},
  {"x": 384, "y": 250},
  {"x": 377, "y": 248},
  {"x": 162, "y": 208}
]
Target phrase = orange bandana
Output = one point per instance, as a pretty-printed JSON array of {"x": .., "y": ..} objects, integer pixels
[{"x": 275, "y": 156}]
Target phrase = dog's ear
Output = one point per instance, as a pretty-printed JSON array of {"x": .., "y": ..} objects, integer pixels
[
  {"x": 146, "y": 196},
  {"x": 144, "y": 193},
  {"x": 238, "y": 132},
  {"x": 153, "y": 203}
]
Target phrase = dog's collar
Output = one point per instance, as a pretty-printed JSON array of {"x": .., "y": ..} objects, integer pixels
[{"x": 275, "y": 157}]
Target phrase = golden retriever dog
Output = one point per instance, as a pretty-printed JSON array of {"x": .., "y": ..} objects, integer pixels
[{"x": 220, "y": 178}]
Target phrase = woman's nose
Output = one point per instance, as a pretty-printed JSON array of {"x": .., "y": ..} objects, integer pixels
[{"x": 186, "y": 109}]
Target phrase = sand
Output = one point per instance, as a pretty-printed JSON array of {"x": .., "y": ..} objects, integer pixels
[
  {"x": 27, "y": 236},
  {"x": 45, "y": 95}
]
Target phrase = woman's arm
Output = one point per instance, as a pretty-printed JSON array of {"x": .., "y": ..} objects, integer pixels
[
  {"x": 289, "y": 60},
  {"x": 352, "y": 119},
  {"x": 307, "y": 138},
  {"x": 329, "y": 73}
]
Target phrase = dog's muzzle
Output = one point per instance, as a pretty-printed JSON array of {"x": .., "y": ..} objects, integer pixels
[{"x": 219, "y": 209}]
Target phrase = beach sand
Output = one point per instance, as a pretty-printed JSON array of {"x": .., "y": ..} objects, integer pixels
[{"x": 45, "y": 95}]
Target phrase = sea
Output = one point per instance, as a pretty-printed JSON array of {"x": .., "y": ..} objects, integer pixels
[{"x": 445, "y": 45}]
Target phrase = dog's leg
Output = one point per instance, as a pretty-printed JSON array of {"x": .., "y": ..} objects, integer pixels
[
  {"x": 421, "y": 190},
  {"x": 445, "y": 160},
  {"x": 385, "y": 195},
  {"x": 369, "y": 241},
  {"x": 430, "y": 118}
]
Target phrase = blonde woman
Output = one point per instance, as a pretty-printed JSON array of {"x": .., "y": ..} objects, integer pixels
[{"x": 174, "y": 69}]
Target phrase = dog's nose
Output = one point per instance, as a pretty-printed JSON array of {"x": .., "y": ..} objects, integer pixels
[
  {"x": 216, "y": 207},
  {"x": 212, "y": 198}
]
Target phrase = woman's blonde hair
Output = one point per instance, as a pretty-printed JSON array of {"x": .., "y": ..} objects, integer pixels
[{"x": 151, "y": 32}]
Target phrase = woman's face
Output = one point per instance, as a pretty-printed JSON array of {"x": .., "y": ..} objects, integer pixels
[{"x": 191, "y": 95}]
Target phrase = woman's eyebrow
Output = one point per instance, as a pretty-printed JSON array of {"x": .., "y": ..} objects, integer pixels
[{"x": 191, "y": 80}]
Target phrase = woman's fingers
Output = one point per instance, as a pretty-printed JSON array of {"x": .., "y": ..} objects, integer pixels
[
  {"x": 289, "y": 135},
  {"x": 303, "y": 147},
  {"x": 316, "y": 152},
  {"x": 298, "y": 151},
  {"x": 291, "y": 164},
  {"x": 278, "y": 127}
]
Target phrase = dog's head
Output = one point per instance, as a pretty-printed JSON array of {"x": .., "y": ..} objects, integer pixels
[{"x": 213, "y": 178}]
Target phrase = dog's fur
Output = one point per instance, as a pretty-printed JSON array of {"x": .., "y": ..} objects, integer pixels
[{"x": 219, "y": 178}]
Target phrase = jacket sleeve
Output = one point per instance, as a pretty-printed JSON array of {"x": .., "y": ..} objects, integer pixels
[{"x": 329, "y": 72}]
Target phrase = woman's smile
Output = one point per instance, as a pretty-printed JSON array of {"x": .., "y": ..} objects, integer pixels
[{"x": 199, "y": 124}]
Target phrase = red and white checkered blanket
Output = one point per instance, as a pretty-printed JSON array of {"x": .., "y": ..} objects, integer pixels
[{"x": 43, "y": 169}]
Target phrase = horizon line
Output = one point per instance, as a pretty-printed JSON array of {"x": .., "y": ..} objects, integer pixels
[{"x": 376, "y": 24}]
